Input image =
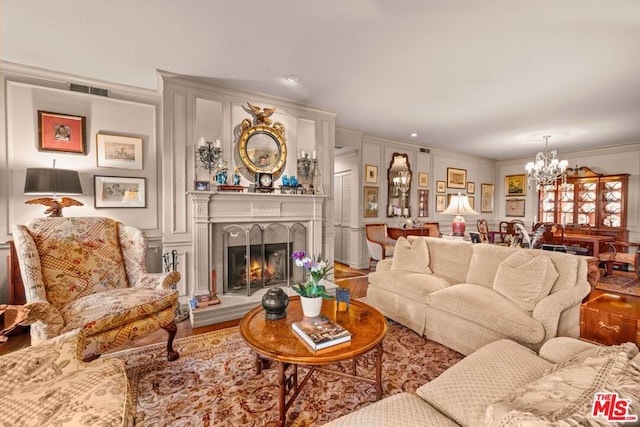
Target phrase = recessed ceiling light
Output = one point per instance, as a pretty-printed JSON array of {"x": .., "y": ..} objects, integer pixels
[
  {"x": 293, "y": 78},
  {"x": 414, "y": 134}
]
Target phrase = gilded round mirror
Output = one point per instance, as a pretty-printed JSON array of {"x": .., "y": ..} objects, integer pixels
[{"x": 262, "y": 149}]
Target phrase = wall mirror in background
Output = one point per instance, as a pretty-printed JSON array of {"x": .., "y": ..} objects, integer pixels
[{"x": 399, "y": 186}]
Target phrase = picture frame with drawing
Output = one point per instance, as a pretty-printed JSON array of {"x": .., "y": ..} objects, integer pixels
[
  {"x": 119, "y": 192},
  {"x": 456, "y": 178},
  {"x": 423, "y": 179},
  {"x": 371, "y": 174},
  {"x": 117, "y": 151},
  {"x": 370, "y": 202},
  {"x": 61, "y": 132}
]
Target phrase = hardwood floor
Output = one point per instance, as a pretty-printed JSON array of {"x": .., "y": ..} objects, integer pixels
[{"x": 355, "y": 280}]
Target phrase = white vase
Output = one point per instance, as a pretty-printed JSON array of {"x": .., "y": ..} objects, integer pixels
[{"x": 311, "y": 307}]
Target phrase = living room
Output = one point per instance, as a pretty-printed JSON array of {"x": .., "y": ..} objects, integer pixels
[{"x": 169, "y": 107}]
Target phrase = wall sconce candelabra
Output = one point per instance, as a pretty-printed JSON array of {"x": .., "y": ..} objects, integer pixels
[
  {"x": 307, "y": 171},
  {"x": 209, "y": 154}
]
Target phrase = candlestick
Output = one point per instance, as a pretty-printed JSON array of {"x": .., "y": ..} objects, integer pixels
[{"x": 313, "y": 156}]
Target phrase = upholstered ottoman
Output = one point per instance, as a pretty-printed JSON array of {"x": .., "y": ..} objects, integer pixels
[{"x": 49, "y": 384}]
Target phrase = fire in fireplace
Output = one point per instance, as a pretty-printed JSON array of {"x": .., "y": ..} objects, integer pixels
[{"x": 268, "y": 269}]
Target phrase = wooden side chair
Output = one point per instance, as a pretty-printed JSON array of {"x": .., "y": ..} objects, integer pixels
[{"x": 483, "y": 230}]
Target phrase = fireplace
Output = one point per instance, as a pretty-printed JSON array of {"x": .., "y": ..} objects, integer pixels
[{"x": 257, "y": 256}]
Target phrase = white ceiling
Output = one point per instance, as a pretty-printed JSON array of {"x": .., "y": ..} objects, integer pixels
[{"x": 488, "y": 77}]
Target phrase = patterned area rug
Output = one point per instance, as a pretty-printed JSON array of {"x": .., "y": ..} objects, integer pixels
[
  {"x": 623, "y": 284},
  {"x": 214, "y": 382}
]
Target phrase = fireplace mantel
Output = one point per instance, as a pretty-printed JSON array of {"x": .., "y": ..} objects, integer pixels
[{"x": 212, "y": 207}]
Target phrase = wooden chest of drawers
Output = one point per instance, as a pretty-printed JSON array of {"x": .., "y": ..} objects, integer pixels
[{"x": 611, "y": 319}]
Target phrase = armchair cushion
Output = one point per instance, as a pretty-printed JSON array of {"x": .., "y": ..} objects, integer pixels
[{"x": 79, "y": 256}]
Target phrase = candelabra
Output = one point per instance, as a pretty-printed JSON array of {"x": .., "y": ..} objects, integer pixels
[
  {"x": 306, "y": 171},
  {"x": 209, "y": 155}
]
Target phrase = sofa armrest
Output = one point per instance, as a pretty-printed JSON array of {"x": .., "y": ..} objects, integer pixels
[
  {"x": 559, "y": 349},
  {"x": 157, "y": 280},
  {"x": 384, "y": 265},
  {"x": 549, "y": 309}
]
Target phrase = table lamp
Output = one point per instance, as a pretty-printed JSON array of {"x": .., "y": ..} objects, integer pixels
[
  {"x": 459, "y": 206},
  {"x": 54, "y": 182}
]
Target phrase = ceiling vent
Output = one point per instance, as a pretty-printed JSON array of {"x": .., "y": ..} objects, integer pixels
[
  {"x": 88, "y": 89},
  {"x": 425, "y": 150}
]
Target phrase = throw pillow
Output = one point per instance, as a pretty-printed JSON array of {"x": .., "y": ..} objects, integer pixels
[
  {"x": 411, "y": 257},
  {"x": 565, "y": 397},
  {"x": 525, "y": 279}
]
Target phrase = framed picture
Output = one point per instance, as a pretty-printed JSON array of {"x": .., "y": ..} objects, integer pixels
[
  {"x": 441, "y": 186},
  {"x": 456, "y": 178},
  {"x": 119, "y": 192},
  {"x": 515, "y": 185},
  {"x": 61, "y": 132},
  {"x": 114, "y": 151},
  {"x": 471, "y": 187},
  {"x": 515, "y": 207},
  {"x": 472, "y": 202},
  {"x": 486, "y": 197},
  {"x": 370, "y": 202},
  {"x": 441, "y": 202},
  {"x": 371, "y": 174},
  {"x": 423, "y": 203},
  {"x": 423, "y": 179},
  {"x": 201, "y": 185}
]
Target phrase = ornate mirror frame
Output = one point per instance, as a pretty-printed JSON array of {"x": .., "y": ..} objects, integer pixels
[
  {"x": 261, "y": 135},
  {"x": 399, "y": 162}
]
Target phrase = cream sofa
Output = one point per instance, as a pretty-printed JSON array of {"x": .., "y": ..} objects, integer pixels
[
  {"x": 507, "y": 384},
  {"x": 48, "y": 384},
  {"x": 466, "y": 295}
]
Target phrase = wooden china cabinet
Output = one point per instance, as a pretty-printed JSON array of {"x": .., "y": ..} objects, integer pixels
[{"x": 587, "y": 198}]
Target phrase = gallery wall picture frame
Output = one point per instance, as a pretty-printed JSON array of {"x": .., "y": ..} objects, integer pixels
[
  {"x": 61, "y": 132},
  {"x": 117, "y": 151},
  {"x": 119, "y": 192},
  {"x": 370, "y": 202},
  {"x": 515, "y": 185},
  {"x": 486, "y": 197},
  {"x": 515, "y": 207},
  {"x": 423, "y": 203},
  {"x": 441, "y": 202},
  {"x": 423, "y": 179},
  {"x": 472, "y": 202},
  {"x": 456, "y": 178},
  {"x": 441, "y": 186},
  {"x": 471, "y": 187},
  {"x": 371, "y": 174}
]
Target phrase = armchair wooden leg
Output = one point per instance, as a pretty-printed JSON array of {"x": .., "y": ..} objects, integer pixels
[{"x": 171, "y": 329}]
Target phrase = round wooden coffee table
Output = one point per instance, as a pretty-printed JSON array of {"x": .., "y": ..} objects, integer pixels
[{"x": 275, "y": 341}]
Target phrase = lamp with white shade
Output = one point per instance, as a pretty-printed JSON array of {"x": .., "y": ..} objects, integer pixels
[{"x": 459, "y": 206}]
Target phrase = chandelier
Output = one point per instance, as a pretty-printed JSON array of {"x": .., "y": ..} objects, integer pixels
[{"x": 547, "y": 168}]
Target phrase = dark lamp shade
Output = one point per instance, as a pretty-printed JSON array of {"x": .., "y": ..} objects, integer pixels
[{"x": 52, "y": 181}]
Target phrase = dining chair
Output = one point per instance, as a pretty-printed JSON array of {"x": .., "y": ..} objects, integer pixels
[{"x": 379, "y": 244}]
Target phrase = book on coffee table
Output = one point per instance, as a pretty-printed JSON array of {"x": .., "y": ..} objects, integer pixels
[{"x": 320, "y": 332}]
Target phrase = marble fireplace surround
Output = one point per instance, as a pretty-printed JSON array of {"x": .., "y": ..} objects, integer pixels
[{"x": 214, "y": 210}]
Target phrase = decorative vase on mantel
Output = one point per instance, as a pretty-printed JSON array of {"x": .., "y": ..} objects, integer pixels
[{"x": 311, "y": 307}]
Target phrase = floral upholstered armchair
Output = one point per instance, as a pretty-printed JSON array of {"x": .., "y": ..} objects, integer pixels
[{"x": 91, "y": 273}]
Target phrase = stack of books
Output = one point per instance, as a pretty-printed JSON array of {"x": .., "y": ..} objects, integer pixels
[
  {"x": 202, "y": 301},
  {"x": 320, "y": 332}
]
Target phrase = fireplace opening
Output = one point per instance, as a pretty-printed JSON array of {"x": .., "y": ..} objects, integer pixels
[{"x": 268, "y": 269}]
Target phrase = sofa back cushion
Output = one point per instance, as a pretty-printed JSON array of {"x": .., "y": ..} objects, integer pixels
[
  {"x": 525, "y": 279},
  {"x": 484, "y": 263},
  {"x": 78, "y": 256},
  {"x": 448, "y": 258},
  {"x": 411, "y": 256}
]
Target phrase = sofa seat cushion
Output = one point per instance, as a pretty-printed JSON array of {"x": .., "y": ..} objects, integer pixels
[
  {"x": 412, "y": 257},
  {"x": 525, "y": 279},
  {"x": 398, "y": 410},
  {"x": 488, "y": 308},
  {"x": 566, "y": 395},
  {"x": 415, "y": 286},
  {"x": 109, "y": 310},
  {"x": 464, "y": 391},
  {"x": 82, "y": 256}
]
